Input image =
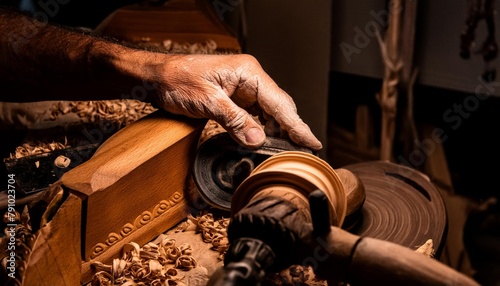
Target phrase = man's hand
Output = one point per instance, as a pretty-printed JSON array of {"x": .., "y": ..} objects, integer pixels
[{"x": 230, "y": 89}]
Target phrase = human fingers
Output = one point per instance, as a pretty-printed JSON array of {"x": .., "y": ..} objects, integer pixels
[{"x": 279, "y": 105}]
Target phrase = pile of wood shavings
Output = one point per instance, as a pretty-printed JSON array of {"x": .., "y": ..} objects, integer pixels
[
  {"x": 173, "y": 47},
  {"x": 156, "y": 263},
  {"x": 212, "y": 231},
  {"x": 116, "y": 114},
  {"x": 159, "y": 261},
  {"x": 120, "y": 111},
  {"x": 34, "y": 148}
]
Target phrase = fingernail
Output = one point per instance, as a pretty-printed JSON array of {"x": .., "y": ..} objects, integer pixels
[{"x": 254, "y": 135}]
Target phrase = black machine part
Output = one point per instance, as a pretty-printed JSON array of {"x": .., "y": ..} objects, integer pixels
[
  {"x": 221, "y": 164},
  {"x": 246, "y": 263},
  {"x": 36, "y": 172},
  {"x": 261, "y": 227}
]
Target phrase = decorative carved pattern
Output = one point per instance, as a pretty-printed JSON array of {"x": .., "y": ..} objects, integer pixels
[
  {"x": 113, "y": 238},
  {"x": 144, "y": 218},
  {"x": 161, "y": 208},
  {"x": 127, "y": 229}
]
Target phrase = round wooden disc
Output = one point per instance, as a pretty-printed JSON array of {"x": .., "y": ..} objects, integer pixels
[{"x": 401, "y": 205}]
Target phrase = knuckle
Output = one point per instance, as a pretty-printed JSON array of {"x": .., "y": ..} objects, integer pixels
[
  {"x": 235, "y": 119},
  {"x": 249, "y": 60}
]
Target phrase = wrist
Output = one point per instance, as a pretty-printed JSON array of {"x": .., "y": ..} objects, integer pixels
[{"x": 133, "y": 72}]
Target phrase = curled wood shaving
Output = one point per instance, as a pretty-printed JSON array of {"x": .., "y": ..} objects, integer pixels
[
  {"x": 427, "y": 248},
  {"x": 62, "y": 161},
  {"x": 185, "y": 262},
  {"x": 102, "y": 278}
]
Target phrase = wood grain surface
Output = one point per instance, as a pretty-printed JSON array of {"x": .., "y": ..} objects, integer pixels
[{"x": 401, "y": 206}]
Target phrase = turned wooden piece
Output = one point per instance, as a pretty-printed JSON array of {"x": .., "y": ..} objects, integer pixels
[
  {"x": 293, "y": 174},
  {"x": 355, "y": 195}
]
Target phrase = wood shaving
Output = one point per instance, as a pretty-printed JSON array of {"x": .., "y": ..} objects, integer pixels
[
  {"x": 62, "y": 161},
  {"x": 427, "y": 248}
]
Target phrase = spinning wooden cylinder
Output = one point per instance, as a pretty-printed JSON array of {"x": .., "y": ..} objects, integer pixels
[{"x": 294, "y": 175}]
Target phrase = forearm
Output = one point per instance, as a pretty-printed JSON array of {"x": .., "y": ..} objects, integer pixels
[{"x": 43, "y": 62}]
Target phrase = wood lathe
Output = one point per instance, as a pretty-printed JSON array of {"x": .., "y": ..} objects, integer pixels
[{"x": 139, "y": 184}]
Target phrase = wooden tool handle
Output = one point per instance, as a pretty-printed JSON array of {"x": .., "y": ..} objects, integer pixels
[
  {"x": 378, "y": 262},
  {"x": 369, "y": 261}
]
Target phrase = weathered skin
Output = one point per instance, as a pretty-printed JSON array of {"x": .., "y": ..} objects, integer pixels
[
  {"x": 44, "y": 62},
  {"x": 229, "y": 89}
]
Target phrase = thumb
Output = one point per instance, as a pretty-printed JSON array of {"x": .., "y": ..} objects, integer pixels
[{"x": 241, "y": 125}]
